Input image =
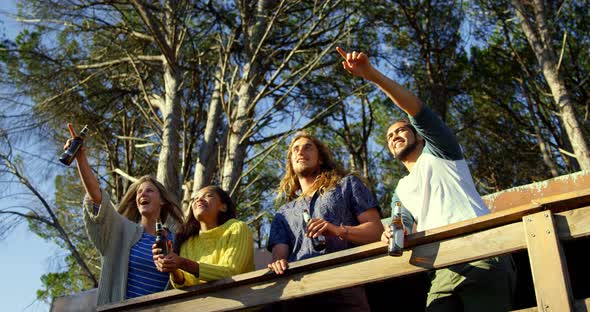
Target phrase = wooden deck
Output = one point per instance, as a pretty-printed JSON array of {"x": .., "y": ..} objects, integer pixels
[{"x": 553, "y": 213}]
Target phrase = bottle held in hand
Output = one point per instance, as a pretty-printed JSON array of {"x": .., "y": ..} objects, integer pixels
[
  {"x": 161, "y": 238},
  {"x": 68, "y": 156},
  {"x": 319, "y": 243},
  {"x": 396, "y": 243}
]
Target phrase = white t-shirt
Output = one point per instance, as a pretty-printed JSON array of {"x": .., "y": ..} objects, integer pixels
[{"x": 439, "y": 190}]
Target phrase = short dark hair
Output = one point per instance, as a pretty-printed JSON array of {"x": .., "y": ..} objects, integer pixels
[{"x": 407, "y": 122}]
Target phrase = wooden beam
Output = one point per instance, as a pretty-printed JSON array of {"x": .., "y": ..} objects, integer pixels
[
  {"x": 555, "y": 203},
  {"x": 548, "y": 265},
  {"x": 528, "y": 193},
  {"x": 434, "y": 255},
  {"x": 350, "y": 267},
  {"x": 581, "y": 305},
  {"x": 306, "y": 265}
]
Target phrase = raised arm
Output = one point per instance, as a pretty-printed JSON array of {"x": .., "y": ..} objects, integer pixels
[
  {"x": 357, "y": 63},
  {"x": 88, "y": 179}
]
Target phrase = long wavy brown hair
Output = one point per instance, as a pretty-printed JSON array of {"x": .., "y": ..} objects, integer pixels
[
  {"x": 330, "y": 171},
  {"x": 128, "y": 204},
  {"x": 192, "y": 226}
]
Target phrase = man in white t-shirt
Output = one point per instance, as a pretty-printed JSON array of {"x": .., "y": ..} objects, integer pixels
[{"x": 438, "y": 191}]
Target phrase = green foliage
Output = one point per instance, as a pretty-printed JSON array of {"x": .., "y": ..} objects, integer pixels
[
  {"x": 467, "y": 60},
  {"x": 70, "y": 277}
]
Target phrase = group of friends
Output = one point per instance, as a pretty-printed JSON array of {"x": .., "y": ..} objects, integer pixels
[{"x": 212, "y": 244}]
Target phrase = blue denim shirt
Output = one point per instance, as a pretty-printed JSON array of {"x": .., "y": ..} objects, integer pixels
[{"x": 340, "y": 205}]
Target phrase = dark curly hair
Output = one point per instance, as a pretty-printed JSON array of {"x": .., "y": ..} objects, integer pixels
[{"x": 193, "y": 227}]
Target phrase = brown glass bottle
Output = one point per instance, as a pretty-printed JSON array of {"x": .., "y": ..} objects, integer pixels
[
  {"x": 161, "y": 238},
  {"x": 319, "y": 243},
  {"x": 396, "y": 243},
  {"x": 68, "y": 156}
]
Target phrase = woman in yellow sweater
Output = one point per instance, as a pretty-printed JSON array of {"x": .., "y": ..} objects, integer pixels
[{"x": 210, "y": 245}]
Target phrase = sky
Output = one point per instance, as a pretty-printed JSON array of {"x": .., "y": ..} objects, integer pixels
[{"x": 25, "y": 257}]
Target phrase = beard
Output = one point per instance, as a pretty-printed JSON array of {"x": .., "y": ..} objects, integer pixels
[
  {"x": 306, "y": 171},
  {"x": 407, "y": 150}
]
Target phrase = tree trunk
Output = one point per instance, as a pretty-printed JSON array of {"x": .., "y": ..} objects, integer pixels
[
  {"x": 543, "y": 146},
  {"x": 236, "y": 147},
  {"x": 165, "y": 31},
  {"x": 206, "y": 160},
  {"x": 540, "y": 41},
  {"x": 252, "y": 74},
  {"x": 169, "y": 153}
]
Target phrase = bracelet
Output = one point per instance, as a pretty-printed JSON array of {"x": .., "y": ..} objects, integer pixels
[{"x": 345, "y": 229}]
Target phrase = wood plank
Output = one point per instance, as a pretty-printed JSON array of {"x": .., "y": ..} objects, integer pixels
[
  {"x": 80, "y": 302},
  {"x": 343, "y": 256},
  {"x": 524, "y": 194},
  {"x": 571, "y": 224},
  {"x": 548, "y": 265},
  {"x": 555, "y": 203},
  {"x": 361, "y": 271},
  {"x": 581, "y": 305}
]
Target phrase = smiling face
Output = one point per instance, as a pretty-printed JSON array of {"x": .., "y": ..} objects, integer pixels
[
  {"x": 148, "y": 199},
  {"x": 206, "y": 205},
  {"x": 304, "y": 158},
  {"x": 401, "y": 140}
]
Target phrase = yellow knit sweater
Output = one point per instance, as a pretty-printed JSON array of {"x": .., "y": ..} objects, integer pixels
[{"x": 221, "y": 252}]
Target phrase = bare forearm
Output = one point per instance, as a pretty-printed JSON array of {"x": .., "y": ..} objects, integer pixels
[
  {"x": 364, "y": 233},
  {"x": 190, "y": 266},
  {"x": 401, "y": 96},
  {"x": 280, "y": 251},
  {"x": 88, "y": 179},
  {"x": 186, "y": 265}
]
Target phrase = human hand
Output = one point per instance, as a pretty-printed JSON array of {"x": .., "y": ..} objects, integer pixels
[
  {"x": 157, "y": 256},
  {"x": 386, "y": 236},
  {"x": 317, "y": 227},
  {"x": 166, "y": 263},
  {"x": 356, "y": 63},
  {"x": 279, "y": 266},
  {"x": 69, "y": 141},
  {"x": 156, "y": 251}
]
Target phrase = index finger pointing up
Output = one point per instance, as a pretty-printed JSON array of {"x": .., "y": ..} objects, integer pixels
[
  {"x": 71, "y": 128},
  {"x": 341, "y": 51}
]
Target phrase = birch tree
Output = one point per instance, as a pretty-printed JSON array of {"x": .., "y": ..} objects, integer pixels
[
  {"x": 282, "y": 44},
  {"x": 535, "y": 25}
]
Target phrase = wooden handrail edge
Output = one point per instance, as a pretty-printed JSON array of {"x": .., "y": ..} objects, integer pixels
[
  {"x": 580, "y": 305},
  {"x": 458, "y": 229}
]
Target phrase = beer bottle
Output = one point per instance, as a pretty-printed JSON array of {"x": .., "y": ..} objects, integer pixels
[
  {"x": 68, "y": 156},
  {"x": 396, "y": 243},
  {"x": 161, "y": 239},
  {"x": 319, "y": 243}
]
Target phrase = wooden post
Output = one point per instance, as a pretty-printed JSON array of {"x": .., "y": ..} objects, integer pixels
[{"x": 548, "y": 266}]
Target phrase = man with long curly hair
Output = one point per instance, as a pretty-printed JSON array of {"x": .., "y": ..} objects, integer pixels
[{"x": 342, "y": 209}]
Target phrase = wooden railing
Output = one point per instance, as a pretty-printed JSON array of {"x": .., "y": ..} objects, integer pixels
[{"x": 539, "y": 227}]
